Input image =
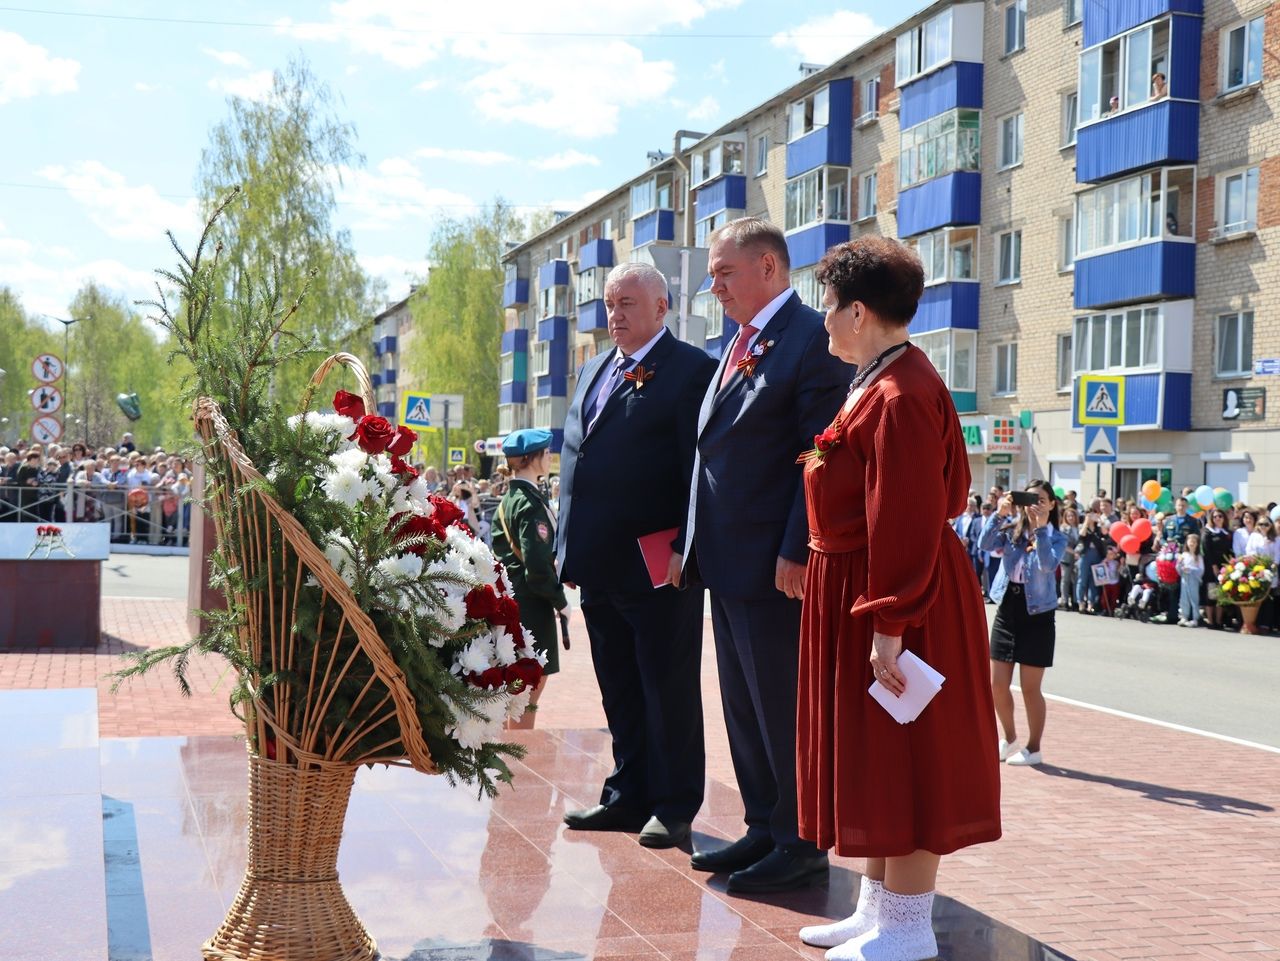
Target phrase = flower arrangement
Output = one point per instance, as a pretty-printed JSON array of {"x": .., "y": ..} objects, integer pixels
[
  {"x": 49, "y": 537},
  {"x": 1246, "y": 580}
]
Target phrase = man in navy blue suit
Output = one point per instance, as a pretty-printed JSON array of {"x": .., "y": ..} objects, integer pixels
[
  {"x": 748, "y": 536},
  {"x": 625, "y": 469}
]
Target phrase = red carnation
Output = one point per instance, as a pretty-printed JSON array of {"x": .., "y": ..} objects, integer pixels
[
  {"x": 416, "y": 525},
  {"x": 493, "y": 678},
  {"x": 373, "y": 434},
  {"x": 482, "y": 604},
  {"x": 348, "y": 404},
  {"x": 403, "y": 469},
  {"x": 402, "y": 443},
  {"x": 525, "y": 672}
]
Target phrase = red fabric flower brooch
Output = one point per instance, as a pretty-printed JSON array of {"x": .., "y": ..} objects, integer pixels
[{"x": 823, "y": 443}]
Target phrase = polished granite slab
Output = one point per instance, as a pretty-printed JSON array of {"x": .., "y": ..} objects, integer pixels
[{"x": 132, "y": 848}]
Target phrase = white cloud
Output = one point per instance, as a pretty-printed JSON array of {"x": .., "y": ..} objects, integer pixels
[
  {"x": 565, "y": 159},
  {"x": 46, "y": 286},
  {"x": 123, "y": 211},
  {"x": 253, "y": 86},
  {"x": 572, "y": 204},
  {"x": 708, "y": 108},
  {"x": 398, "y": 272},
  {"x": 828, "y": 38},
  {"x": 142, "y": 87},
  {"x": 393, "y": 191},
  {"x": 426, "y": 86},
  {"x": 479, "y": 158},
  {"x": 228, "y": 58},
  {"x": 27, "y": 70}
]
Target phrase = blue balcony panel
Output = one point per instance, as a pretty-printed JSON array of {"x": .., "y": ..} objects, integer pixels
[
  {"x": 955, "y": 198},
  {"x": 515, "y": 341},
  {"x": 966, "y": 401},
  {"x": 1155, "y": 271},
  {"x": 716, "y": 346},
  {"x": 946, "y": 305},
  {"x": 1184, "y": 79},
  {"x": 553, "y": 385},
  {"x": 387, "y": 409},
  {"x": 592, "y": 316},
  {"x": 832, "y": 144},
  {"x": 557, "y": 439},
  {"x": 388, "y": 345},
  {"x": 1152, "y": 400},
  {"x": 376, "y": 380},
  {"x": 598, "y": 253},
  {"x": 728, "y": 192},
  {"x": 706, "y": 284},
  {"x": 516, "y": 392},
  {"x": 807, "y": 246},
  {"x": 553, "y": 328},
  {"x": 1175, "y": 412},
  {"x": 958, "y": 84},
  {"x": 554, "y": 273},
  {"x": 1102, "y": 21},
  {"x": 515, "y": 293},
  {"x": 657, "y": 226},
  {"x": 389, "y": 375},
  {"x": 1161, "y": 134}
]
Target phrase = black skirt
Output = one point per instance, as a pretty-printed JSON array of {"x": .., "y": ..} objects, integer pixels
[{"x": 1019, "y": 637}]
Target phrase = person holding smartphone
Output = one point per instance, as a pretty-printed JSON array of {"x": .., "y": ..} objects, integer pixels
[{"x": 1025, "y": 525}]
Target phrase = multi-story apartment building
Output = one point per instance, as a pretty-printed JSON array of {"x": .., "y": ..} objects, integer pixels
[
  {"x": 1093, "y": 188},
  {"x": 392, "y": 333}
]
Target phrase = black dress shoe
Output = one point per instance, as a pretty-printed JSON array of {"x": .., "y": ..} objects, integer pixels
[
  {"x": 780, "y": 871},
  {"x": 738, "y": 856},
  {"x": 664, "y": 834},
  {"x": 603, "y": 817}
]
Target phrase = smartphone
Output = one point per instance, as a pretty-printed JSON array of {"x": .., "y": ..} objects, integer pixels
[{"x": 1025, "y": 498}]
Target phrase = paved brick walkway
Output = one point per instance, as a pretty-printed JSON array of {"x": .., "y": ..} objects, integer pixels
[{"x": 1137, "y": 841}]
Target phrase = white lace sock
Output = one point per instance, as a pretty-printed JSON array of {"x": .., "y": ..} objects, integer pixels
[
  {"x": 903, "y": 932},
  {"x": 861, "y": 921}
]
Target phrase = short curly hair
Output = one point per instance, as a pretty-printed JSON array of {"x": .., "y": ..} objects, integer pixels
[{"x": 884, "y": 274}]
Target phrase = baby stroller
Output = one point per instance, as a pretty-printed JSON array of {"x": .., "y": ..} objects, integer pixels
[{"x": 1141, "y": 601}]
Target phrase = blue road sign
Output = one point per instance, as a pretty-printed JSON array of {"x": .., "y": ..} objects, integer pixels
[{"x": 1100, "y": 443}]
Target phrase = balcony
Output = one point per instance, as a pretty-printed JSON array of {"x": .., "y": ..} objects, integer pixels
[
  {"x": 1158, "y": 400},
  {"x": 657, "y": 226},
  {"x": 946, "y": 305},
  {"x": 1151, "y": 271},
  {"x": 726, "y": 192},
  {"x": 957, "y": 85},
  {"x": 387, "y": 409},
  {"x": 553, "y": 385},
  {"x": 592, "y": 316},
  {"x": 514, "y": 342},
  {"x": 553, "y": 329},
  {"x": 376, "y": 380},
  {"x": 945, "y": 201},
  {"x": 516, "y": 392},
  {"x": 554, "y": 273},
  {"x": 384, "y": 345},
  {"x": 597, "y": 253},
  {"x": 389, "y": 375},
  {"x": 1102, "y": 21},
  {"x": 515, "y": 293},
  {"x": 831, "y": 143},
  {"x": 806, "y": 246},
  {"x": 1163, "y": 133}
]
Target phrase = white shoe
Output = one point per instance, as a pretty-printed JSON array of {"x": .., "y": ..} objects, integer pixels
[
  {"x": 903, "y": 932},
  {"x": 1008, "y": 749},
  {"x": 1024, "y": 758},
  {"x": 860, "y": 922}
]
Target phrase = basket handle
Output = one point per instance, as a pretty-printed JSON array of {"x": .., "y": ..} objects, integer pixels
[{"x": 357, "y": 368}]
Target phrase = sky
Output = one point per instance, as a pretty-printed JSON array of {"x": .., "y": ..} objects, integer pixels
[{"x": 106, "y": 106}]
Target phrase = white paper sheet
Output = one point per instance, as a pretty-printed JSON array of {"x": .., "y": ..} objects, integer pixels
[{"x": 923, "y": 682}]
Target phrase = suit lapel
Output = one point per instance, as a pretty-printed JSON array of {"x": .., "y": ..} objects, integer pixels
[
  {"x": 773, "y": 331},
  {"x": 652, "y": 361}
]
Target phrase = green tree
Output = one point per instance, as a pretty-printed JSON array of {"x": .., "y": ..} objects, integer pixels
[
  {"x": 286, "y": 154},
  {"x": 21, "y": 339}
]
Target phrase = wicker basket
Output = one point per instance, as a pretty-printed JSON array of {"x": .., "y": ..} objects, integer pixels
[{"x": 290, "y": 906}]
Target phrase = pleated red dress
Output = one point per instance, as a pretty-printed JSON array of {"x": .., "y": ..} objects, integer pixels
[{"x": 884, "y": 557}]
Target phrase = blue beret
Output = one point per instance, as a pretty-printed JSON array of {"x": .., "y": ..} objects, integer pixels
[{"x": 527, "y": 441}]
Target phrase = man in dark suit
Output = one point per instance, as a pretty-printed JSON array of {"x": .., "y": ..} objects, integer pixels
[
  {"x": 748, "y": 535},
  {"x": 625, "y": 469}
]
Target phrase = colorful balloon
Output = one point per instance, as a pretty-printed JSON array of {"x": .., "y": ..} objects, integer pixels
[
  {"x": 1204, "y": 495},
  {"x": 1142, "y": 529},
  {"x": 1130, "y": 544},
  {"x": 1151, "y": 490},
  {"x": 1275, "y": 513},
  {"x": 1060, "y": 492},
  {"x": 1223, "y": 500},
  {"x": 1119, "y": 531},
  {"x": 1151, "y": 571}
]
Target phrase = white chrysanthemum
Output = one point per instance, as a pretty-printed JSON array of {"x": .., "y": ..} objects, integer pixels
[
  {"x": 326, "y": 423},
  {"x": 454, "y": 564},
  {"x": 474, "y": 732},
  {"x": 453, "y": 613},
  {"x": 517, "y": 704},
  {"x": 401, "y": 567},
  {"x": 400, "y": 502},
  {"x": 346, "y": 487},
  {"x": 338, "y": 553},
  {"x": 474, "y": 559},
  {"x": 381, "y": 465},
  {"x": 420, "y": 495},
  {"x": 476, "y": 657},
  {"x": 504, "y": 646},
  {"x": 526, "y": 638},
  {"x": 351, "y": 459}
]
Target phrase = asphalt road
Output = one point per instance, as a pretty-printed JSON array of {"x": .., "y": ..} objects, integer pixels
[{"x": 1211, "y": 680}]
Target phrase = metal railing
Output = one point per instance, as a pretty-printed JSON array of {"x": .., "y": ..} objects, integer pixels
[{"x": 158, "y": 516}]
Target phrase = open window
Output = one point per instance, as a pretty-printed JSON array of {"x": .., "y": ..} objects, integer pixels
[{"x": 1125, "y": 72}]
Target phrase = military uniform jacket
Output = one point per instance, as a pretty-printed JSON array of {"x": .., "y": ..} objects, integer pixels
[{"x": 531, "y": 561}]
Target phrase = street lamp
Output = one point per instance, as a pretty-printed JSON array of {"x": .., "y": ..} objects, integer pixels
[{"x": 66, "y": 368}]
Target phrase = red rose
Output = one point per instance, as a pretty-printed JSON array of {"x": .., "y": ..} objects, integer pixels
[
  {"x": 482, "y": 604},
  {"x": 416, "y": 525},
  {"x": 447, "y": 512},
  {"x": 826, "y": 440},
  {"x": 402, "y": 443},
  {"x": 402, "y": 469},
  {"x": 525, "y": 672},
  {"x": 507, "y": 615},
  {"x": 373, "y": 434},
  {"x": 348, "y": 404},
  {"x": 492, "y": 679}
]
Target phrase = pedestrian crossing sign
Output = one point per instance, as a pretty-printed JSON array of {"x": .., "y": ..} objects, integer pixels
[
  {"x": 1100, "y": 400},
  {"x": 415, "y": 411}
]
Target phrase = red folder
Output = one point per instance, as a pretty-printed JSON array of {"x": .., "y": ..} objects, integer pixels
[{"x": 656, "y": 550}]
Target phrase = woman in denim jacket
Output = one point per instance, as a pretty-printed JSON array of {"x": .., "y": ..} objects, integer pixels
[{"x": 1026, "y": 591}]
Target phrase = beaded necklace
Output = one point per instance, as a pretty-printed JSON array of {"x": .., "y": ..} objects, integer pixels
[{"x": 868, "y": 369}]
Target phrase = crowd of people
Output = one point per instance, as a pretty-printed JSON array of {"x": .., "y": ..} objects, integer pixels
[{"x": 1173, "y": 576}]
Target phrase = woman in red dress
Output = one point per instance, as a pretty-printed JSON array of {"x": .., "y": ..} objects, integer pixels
[{"x": 887, "y": 574}]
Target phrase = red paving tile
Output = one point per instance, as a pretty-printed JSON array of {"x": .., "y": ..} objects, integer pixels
[{"x": 1136, "y": 841}]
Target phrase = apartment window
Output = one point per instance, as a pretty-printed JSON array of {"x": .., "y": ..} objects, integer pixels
[
  {"x": 951, "y": 352},
  {"x": 1155, "y": 206},
  {"x": 1010, "y": 245},
  {"x": 1070, "y": 114},
  {"x": 565, "y": 250},
  {"x": 1241, "y": 55},
  {"x": 940, "y": 145},
  {"x": 706, "y": 305},
  {"x": 805, "y": 283},
  {"x": 819, "y": 196},
  {"x": 554, "y": 301},
  {"x": 867, "y": 200},
  {"x": 1235, "y": 344},
  {"x": 1067, "y": 243},
  {"x": 606, "y": 228},
  {"x": 702, "y": 229},
  {"x": 810, "y": 114},
  {"x": 923, "y": 47},
  {"x": 947, "y": 255},
  {"x": 1015, "y": 26},
  {"x": 651, "y": 194},
  {"x": 870, "y": 101},
  {"x": 1238, "y": 202},
  {"x": 1073, "y": 11},
  {"x": 511, "y": 272},
  {"x": 621, "y": 221},
  {"x": 1065, "y": 373},
  {"x": 722, "y": 157},
  {"x": 1121, "y": 340},
  {"x": 1117, "y": 75},
  {"x": 591, "y": 284},
  {"x": 762, "y": 155},
  {"x": 1011, "y": 141},
  {"x": 1006, "y": 375},
  {"x": 542, "y": 411},
  {"x": 541, "y": 358},
  {"x": 510, "y": 417},
  {"x": 507, "y": 373}
]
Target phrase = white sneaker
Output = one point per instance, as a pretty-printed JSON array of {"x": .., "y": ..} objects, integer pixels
[
  {"x": 1024, "y": 758},
  {"x": 860, "y": 922},
  {"x": 1008, "y": 749}
]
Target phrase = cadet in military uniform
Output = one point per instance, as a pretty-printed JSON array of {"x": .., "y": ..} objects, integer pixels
[{"x": 524, "y": 540}]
